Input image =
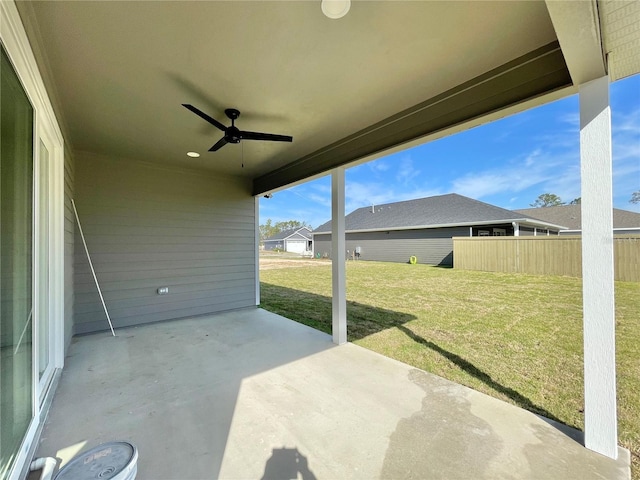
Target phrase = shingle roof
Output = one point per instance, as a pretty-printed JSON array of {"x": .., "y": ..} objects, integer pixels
[
  {"x": 303, "y": 231},
  {"x": 451, "y": 209},
  {"x": 571, "y": 216}
]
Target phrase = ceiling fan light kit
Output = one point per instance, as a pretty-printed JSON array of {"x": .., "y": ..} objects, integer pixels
[
  {"x": 335, "y": 8},
  {"x": 233, "y": 134}
]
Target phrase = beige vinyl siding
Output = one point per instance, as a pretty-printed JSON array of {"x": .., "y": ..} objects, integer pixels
[
  {"x": 542, "y": 255},
  {"x": 147, "y": 227},
  {"x": 430, "y": 246},
  {"x": 69, "y": 247}
]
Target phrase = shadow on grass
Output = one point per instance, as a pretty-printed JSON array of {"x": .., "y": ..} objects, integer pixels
[
  {"x": 364, "y": 320},
  {"x": 315, "y": 311},
  {"x": 484, "y": 377}
]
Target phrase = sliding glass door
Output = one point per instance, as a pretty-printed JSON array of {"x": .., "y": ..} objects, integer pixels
[{"x": 16, "y": 265}]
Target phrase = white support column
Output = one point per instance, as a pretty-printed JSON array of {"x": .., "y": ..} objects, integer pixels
[
  {"x": 597, "y": 269},
  {"x": 338, "y": 259},
  {"x": 257, "y": 248},
  {"x": 516, "y": 229}
]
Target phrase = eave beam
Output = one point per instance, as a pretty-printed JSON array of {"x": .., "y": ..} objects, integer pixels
[{"x": 535, "y": 74}]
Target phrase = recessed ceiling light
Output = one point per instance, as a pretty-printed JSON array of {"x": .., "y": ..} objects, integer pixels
[
  {"x": 193, "y": 154},
  {"x": 335, "y": 8}
]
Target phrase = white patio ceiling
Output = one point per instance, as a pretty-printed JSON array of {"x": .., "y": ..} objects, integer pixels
[{"x": 118, "y": 73}]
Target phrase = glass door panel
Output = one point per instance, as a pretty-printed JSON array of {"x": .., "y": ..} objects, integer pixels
[{"x": 16, "y": 252}]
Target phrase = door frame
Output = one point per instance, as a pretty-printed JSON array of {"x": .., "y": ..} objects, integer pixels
[
  {"x": 43, "y": 134},
  {"x": 16, "y": 44}
]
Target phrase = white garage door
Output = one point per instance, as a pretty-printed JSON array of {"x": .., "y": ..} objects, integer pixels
[{"x": 296, "y": 246}]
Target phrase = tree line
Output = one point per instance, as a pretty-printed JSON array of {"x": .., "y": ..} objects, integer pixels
[
  {"x": 553, "y": 200},
  {"x": 269, "y": 229}
]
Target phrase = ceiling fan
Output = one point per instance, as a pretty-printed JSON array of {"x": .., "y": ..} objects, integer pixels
[{"x": 233, "y": 134}]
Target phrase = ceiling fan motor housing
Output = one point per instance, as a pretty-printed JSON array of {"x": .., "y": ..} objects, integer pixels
[{"x": 232, "y": 134}]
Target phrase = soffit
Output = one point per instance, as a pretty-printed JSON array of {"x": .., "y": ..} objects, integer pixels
[
  {"x": 620, "y": 24},
  {"x": 120, "y": 70}
]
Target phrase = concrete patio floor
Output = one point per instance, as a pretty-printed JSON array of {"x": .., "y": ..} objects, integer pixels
[{"x": 250, "y": 394}]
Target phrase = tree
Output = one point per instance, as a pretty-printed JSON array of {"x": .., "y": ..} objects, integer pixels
[
  {"x": 547, "y": 200},
  {"x": 635, "y": 197},
  {"x": 269, "y": 229},
  {"x": 290, "y": 225},
  {"x": 576, "y": 201}
]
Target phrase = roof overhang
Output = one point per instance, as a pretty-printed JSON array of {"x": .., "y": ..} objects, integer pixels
[
  {"x": 387, "y": 76},
  {"x": 528, "y": 77},
  {"x": 384, "y": 76},
  {"x": 521, "y": 221}
]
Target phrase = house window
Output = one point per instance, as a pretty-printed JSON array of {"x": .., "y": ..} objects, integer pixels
[
  {"x": 483, "y": 233},
  {"x": 499, "y": 232}
]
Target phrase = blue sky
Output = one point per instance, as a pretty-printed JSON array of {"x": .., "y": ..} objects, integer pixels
[{"x": 507, "y": 163}]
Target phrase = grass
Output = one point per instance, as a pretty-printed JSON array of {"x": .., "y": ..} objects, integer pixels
[{"x": 512, "y": 336}]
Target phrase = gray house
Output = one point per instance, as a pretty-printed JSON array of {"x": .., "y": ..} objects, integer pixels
[
  {"x": 424, "y": 228},
  {"x": 570, "y": 216},
  {"x": 94, "y": 128},
  {"x": 296, "y": 240}
]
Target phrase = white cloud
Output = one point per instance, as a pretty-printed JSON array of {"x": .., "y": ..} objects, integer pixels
[
  {"x": 626, "y": 122},
  {"x": 378, "y": 166},
  {"x": 547, "y": 172},
  {"x": 554, "y": 167},
  {"x": 406, "y": 172},
  {"x": 626, "y": 157},
  {"x": 572, "y": 118},
  {"x": 530, "y": 160},
  {"x": 362, "y": 194},
  {"x": 492, "y": 182}
]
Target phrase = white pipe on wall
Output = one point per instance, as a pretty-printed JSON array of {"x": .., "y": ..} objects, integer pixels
[{"x": 46, "y": 464}]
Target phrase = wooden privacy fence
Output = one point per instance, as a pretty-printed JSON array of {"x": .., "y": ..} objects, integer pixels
[{"x": 558, "y": 255}]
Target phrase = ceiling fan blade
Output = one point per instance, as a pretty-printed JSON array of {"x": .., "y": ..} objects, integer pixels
[
  {"x": 204, "y": 116},
  {"x": 219, "y": 144},
  {"x": 264, "y": 136}
]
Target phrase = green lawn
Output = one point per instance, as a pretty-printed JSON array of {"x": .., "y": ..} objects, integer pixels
[{"x": 515, "y": 337}]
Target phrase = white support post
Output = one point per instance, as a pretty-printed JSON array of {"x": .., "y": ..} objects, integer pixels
[
  {"x": 257, "y": 248},
  {"x": 338, "y": 259},
  {"x": 600, "y": 423},
  {"x": 516, "y": 229}
]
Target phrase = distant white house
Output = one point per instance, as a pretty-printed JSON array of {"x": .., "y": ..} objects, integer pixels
[{"x": 297, "y": 240}]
